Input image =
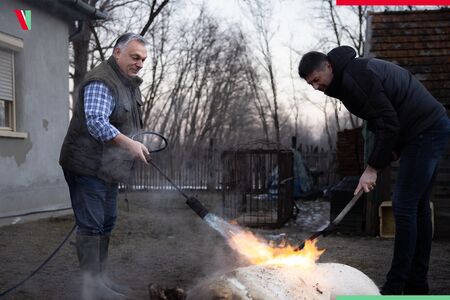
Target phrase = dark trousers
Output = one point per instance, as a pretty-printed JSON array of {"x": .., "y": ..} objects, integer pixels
[
  {"x": 94, "y": 203},
  {"x": 411, "y": 207}
]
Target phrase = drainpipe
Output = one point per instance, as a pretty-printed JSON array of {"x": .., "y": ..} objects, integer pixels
[
  {"x": 78, "y": 25},
  {"x": 87, "y": 9}
]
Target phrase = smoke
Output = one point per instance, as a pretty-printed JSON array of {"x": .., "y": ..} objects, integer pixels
[
  {"x": 226, "y": 229},
  {"x": 212, "y": 235},
  {"x": 88, "y": 286},
  {"x": 94, "y": 288}
]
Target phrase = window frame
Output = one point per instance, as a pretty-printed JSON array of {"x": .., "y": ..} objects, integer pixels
[
  {"x": 10, "y": 110},
  {"x": 12, "y": 45}
]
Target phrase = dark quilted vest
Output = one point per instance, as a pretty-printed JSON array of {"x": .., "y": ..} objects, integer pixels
[{"x": 84, "y": 155}]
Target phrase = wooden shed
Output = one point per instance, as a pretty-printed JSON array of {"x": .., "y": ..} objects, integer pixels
[{"x": 420, "y": 42}]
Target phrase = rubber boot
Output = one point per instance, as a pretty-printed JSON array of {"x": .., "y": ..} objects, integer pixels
[
  {"x": 104, "y": 247},
  {"x": 88, "y": 252}
]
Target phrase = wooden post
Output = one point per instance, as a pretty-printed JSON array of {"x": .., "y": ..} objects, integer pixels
[
  {"x": 294, "y": 142},
  {"x": 210, "y": 181}
]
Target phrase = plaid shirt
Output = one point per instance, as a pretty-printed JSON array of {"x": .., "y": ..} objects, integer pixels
[{"x": 98, "y": 107}]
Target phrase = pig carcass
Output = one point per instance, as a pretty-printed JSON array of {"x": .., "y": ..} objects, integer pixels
[{"x": 323, "y": 281}]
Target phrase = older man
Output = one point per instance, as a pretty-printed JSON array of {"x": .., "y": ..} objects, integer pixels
[{"x": 98, "y": 152}]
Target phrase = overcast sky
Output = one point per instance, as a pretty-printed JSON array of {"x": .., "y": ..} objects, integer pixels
[{"x": 293, "y": 24}]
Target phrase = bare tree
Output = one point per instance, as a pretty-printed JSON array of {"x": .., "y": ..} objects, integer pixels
[
  {"x": 159, "y": 63},
  {"x": 295, "y": 100},
  {"x": 260, "y": 99},
  {"x": 207, "y": 76},
  {"x": 343, "y": 25},
  {"x": 261, "y": 13},
  {"x": 92, "y": 40}
]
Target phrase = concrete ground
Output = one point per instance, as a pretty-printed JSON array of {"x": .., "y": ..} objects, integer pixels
[{"x": 159, "y": 240}]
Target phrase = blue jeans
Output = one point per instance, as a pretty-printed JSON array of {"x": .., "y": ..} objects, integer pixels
[
  {"x": 94, "y": 203},
  {"x": 411, "y": 207}
]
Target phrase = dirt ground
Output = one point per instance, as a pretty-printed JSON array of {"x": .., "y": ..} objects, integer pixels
[{"x": 159, "y": 240}]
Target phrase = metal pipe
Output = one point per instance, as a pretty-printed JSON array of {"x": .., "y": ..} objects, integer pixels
[
  {"x": 192, "y": 202},
  {"x": 87, "y": 9},
  {"x": 336, "y": 221},
  {"x": 197, "y": 207},
  {"x": 78, "y": 30}
]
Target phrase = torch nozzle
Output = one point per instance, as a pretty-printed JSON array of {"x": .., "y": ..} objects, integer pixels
[
  {"x": 197, "y": 207},
  {"x": 310, "y": 238},
  {"x": 300, "y": 247}
]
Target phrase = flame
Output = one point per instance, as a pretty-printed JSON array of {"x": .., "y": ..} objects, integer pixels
[{"x": 258, "y": 251}]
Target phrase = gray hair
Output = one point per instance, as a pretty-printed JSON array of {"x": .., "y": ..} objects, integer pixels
[{"x": 125, "y": 38}]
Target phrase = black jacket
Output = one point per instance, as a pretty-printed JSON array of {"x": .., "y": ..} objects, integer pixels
[{"x": 395, "y": 104}]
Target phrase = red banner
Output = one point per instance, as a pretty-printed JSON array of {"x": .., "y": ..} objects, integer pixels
[{"x": 392, "y": 2}]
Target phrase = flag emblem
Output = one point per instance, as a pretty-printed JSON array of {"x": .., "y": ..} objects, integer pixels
[{"x": 24, "y": 18}]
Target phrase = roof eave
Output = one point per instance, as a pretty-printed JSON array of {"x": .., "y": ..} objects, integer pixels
[{"x": 69, "y": 9}]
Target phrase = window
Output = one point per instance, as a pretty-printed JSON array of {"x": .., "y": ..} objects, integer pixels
[
  {"x": 6, "y": 90},
  {"x": 9, "y": 45}
]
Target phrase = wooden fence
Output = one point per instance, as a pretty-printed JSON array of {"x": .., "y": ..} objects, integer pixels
[
  {"x": 201, "y": 169},
  {"x": 193, "y": 170}
]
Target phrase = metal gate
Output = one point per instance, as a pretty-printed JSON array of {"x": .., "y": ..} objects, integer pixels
[{"x": 257, "y": 187}]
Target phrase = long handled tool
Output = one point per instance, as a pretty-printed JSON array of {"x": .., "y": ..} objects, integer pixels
[
  {"x": 156, "y": 142},
  {"x": 192, "y": 202},
  {"x": 336, "y": 221}
]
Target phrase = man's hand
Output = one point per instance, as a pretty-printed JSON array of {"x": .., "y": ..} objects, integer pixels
[
  {"x": 136, "y": 149},
  {"x": 139, "y": 151},
  {"x": 367, "y": 181}
]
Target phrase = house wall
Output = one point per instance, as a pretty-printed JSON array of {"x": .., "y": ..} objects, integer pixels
[{"x": 30, "y": 176}]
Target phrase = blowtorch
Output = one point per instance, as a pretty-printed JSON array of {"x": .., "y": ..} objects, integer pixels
[
  {"x": 156, "y": 142},
  {"x": 191, "y": 201}
]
